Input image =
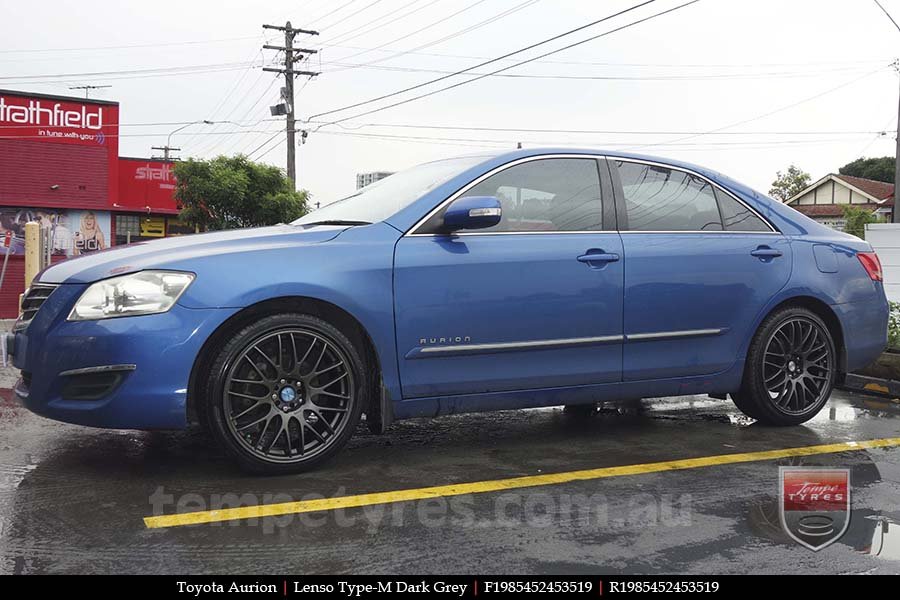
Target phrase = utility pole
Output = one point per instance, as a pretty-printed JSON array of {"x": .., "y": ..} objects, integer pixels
[
  {"x": 895, "y": 218},
  {"x": 288, "y": 92},
  {"x": 87, "y": 89},
  {"x": 167, "y": 150}
]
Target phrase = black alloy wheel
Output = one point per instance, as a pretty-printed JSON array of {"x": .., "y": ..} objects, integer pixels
[
  {"x": 790, "y": 370},
  {"x": 286, "y": 393}
]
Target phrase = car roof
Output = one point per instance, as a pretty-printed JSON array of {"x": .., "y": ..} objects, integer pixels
[{"x": 538, "y": 151}]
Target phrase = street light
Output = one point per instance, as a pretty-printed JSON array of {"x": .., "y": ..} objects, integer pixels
[
  {"x": 204, "y": 122},
  {"x": 168, "y": 147}
]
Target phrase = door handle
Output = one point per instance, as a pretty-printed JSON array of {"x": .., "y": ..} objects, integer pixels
[
  {"x": 766, "y": 252},
  {"x": 598, "y": 257}
]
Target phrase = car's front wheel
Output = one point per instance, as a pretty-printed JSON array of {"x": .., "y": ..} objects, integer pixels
[
  {"x": 285, "y": 393},
  {"x": 790, "y": 369}
]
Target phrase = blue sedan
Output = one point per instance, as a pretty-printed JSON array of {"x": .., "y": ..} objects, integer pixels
[{"x": 524, "y": 279}]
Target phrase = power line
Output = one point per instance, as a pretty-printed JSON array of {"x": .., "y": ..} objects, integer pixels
[
  {"x": 598, "y": 131},
  {"x": 122, "y": 47},
  {"x": 276, "y": 134},
  {"x": 887, "y": 14},
  {"x": 520, "y": 63},
  {"x": 781, "y": 109},
  {"x": 621, "y": 64},
  {"x": 315, "y": 20},
  {"x": 621, "y": 145},
  {"x": 224, "y": 99},
  {"x": 154, "y": 70},
  {"x": 421, "y": 29},
  {"x": 693, "y": 77},
  {"x": 343, "y": 36},
  {"x": 457, "y": 34},
  {"x": 353, "y": 14},
  {"x": 482, "y": 64},
  {"x": 451, "y": 36}
]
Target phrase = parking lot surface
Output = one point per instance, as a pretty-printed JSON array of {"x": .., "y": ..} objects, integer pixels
[{"x": 78, "y": 500}]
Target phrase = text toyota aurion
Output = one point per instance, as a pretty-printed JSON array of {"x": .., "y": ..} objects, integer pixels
[{"x": 531, "y": 278}]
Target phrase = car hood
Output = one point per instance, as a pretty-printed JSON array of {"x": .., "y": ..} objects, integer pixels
[{"x": 164, "y": 253}]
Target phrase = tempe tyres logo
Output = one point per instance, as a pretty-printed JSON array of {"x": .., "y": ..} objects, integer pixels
[{"x": 814, "y": 504}]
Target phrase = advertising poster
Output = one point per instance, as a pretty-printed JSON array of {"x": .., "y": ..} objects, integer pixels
[{"x": 71, "y": 232}]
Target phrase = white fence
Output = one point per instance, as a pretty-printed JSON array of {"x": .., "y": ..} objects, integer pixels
[{"x": 885, "y": 239}]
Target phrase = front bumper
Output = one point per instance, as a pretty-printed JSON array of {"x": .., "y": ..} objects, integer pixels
[{"x": 151, "y": 358}]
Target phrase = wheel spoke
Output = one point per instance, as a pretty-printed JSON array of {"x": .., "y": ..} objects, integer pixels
[
  {"x": 268, "y": 360},
  {"x": 319, "y": 360},
  {"x": 276, "y": 428},
  {"x": 332, "y": 382},
  {"x": 254, "y": 422},
  {"x": 321, "y": 392},
  {"x": 255, "y": 368},
  {"x": 246, "y": 412},
  {"x": 250, "y": 381},
  {"x": 247, "y": 396},
  {"x": 326, "y": 369}
]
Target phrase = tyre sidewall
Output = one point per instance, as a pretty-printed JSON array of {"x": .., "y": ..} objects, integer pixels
[
  {"x": 754, "y": 397},
  {"x": 217, "y": 420}
]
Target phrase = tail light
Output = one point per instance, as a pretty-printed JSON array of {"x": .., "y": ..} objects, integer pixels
[{"x": 871, "y": 264}]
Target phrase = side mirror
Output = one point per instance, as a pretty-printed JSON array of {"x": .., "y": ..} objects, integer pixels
[{"x": 472, "y": 212}]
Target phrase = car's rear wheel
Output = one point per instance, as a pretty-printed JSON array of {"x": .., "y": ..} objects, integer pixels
[
  {"x": 285, "y": 393},
  {"x": 790, "y": 370}
]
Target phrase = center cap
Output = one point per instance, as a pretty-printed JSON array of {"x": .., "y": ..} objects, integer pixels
[
  {"x": 288, "y": 394},
  {"x": 792, "y": 366}
]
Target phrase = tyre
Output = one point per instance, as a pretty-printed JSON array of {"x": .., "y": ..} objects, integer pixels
[
  {"x": 285, "y": 393},
  {"x": 790, "y": 369}
]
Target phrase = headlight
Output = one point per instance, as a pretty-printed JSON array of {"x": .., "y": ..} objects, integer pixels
[{"x": 142, "y": 293}]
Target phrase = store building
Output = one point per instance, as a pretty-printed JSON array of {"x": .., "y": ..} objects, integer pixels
[{"x": 60, "y": 166}]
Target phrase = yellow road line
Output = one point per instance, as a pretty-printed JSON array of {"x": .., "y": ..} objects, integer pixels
[{"x": 497, "y": 485}]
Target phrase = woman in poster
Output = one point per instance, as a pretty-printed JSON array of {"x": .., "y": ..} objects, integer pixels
[{"x": 89, "y": 238}]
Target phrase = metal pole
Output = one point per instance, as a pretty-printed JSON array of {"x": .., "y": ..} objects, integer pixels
[
  {"x": 895, "y": 217},
  {"x": 5, "y": 261},
  {"x": 32, "y": 251},
  {"x": 289, "y": 34}
]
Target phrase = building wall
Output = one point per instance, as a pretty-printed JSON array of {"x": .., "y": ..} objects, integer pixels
[
  {"x": 885, "y": 240},
  {"x": 831, "y": 192},
  {"x": 60, "y": 166}
]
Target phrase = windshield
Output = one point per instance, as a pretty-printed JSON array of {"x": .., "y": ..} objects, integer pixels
[{"x": 384, "y": 198}]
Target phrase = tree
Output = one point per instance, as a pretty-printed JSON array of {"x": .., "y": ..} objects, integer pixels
[
  {"x": 879, "y": 169},
  {"x": 232, "y": 192},
  {"x": 856, "y": 220},
  {"x": 790, "y": 183}
]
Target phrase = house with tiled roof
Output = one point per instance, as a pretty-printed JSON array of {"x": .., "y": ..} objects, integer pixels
[{"x": 824, "y": 200}]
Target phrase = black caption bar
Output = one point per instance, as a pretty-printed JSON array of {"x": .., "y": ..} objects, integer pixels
[{"x": 454, "y": 586}]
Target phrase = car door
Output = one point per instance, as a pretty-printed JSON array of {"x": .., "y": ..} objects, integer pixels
[
  {"x": 700, "y": 266},
  {"x": 532, "y": 302}
]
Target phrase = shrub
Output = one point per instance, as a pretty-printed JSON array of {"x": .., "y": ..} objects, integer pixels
[{"x": 894, "y": 326}]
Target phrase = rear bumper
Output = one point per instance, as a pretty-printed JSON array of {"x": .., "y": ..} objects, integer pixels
[
  {"x": 864, "y": 327},
  {"x": 130, "y": 372}
]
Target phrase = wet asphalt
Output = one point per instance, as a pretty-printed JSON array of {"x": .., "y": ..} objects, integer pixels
[{"x": 73, "y": 499}]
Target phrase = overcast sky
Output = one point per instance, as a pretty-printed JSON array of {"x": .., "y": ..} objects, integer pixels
[{"x": 776, "y": 82}]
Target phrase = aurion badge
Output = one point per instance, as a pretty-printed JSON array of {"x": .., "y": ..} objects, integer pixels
[{"x": 814, "y": 504}]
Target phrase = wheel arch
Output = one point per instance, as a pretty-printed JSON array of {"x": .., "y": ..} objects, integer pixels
[
  {"x": 379, "y": 406},
  {"x": 822, "y": 310}
]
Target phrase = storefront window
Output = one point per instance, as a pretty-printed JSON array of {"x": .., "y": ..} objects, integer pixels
[{"x": 128, "y": 229}]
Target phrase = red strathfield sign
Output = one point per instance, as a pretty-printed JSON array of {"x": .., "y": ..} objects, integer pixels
[
  {"x": 48, "y": 119},
  {"x": 815, "y": 504},
  {"x": 147, "y": 185}
]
